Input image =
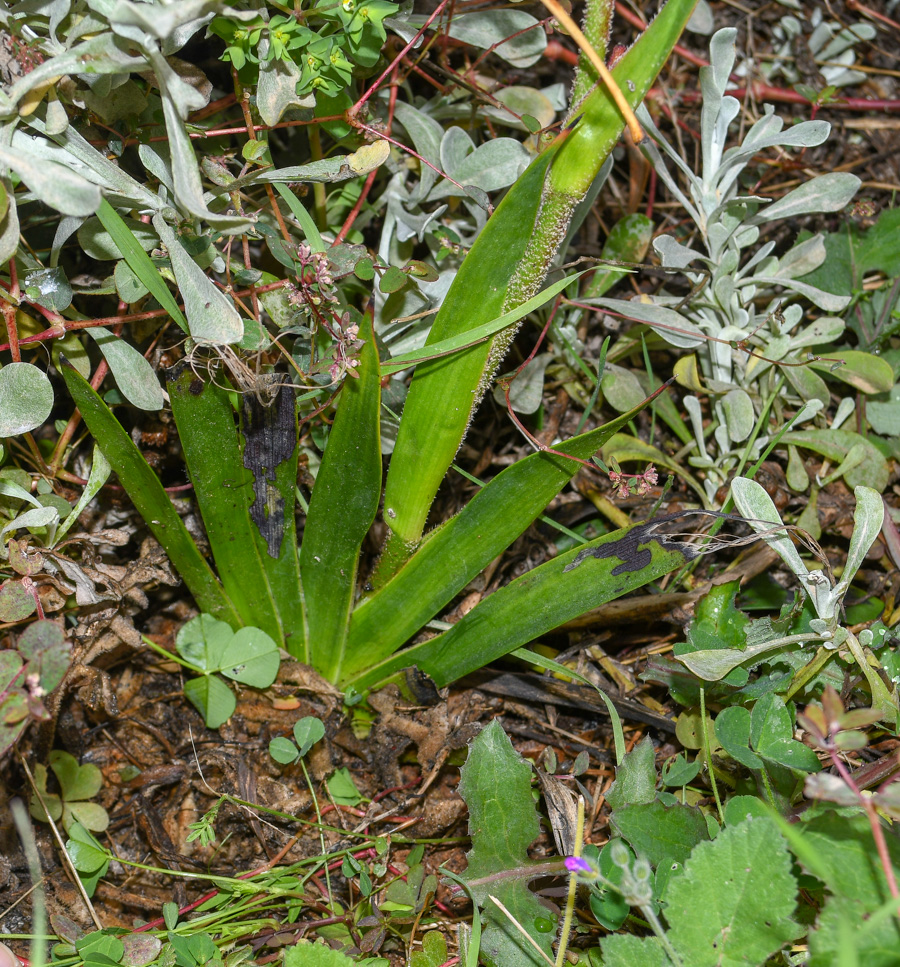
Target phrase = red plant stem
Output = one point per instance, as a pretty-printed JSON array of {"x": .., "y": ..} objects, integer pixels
[
  {"x": 759, "y": 90},
  {"x": 9, "y": 314},
  {"x": 393, "y": 64},
  {"x": 857, "y": 7},
  {"x": 32, "y": 589},
  {"x": 872, "y": 815},
  {"x": 72, "y": 325},
  {"x": 370, "y": 180}
]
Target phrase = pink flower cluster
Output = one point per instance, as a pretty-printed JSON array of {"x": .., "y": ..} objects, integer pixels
[{"x": 633, "y": 484}]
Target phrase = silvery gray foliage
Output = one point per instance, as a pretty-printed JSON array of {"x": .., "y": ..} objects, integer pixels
[
  {"x": 825, "y": 593},
  {"x": 743, "y": 296},
  {"x": 830, "y": 44}
]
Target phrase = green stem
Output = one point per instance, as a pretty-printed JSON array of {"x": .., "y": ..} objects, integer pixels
[
  {"x": 573, "y": 889},
  {"x": 809, "y": 671},
  {"x": 707, "y": 751}
]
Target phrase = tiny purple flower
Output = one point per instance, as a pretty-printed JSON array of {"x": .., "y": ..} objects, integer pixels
[{"x": 575, "y": 864}]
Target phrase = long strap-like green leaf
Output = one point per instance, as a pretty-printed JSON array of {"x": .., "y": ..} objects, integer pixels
[
  {"x": 444, "y": 391},
  {"x": 343, "y": 505},
  {"x": 223, "y": 487},
  {"x": 147, "y": 493},
  {"x": 460, "y": 549},
  {"x": 531, "y": 606}
]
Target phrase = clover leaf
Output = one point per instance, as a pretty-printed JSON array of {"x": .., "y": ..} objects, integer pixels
[{"x": 210, "y": 646}]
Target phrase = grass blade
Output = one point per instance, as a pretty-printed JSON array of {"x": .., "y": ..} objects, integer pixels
[{"x": 139, "y": 261}]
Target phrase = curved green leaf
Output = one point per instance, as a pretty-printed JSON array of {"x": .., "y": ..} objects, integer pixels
[
  {"x": 460, "y": 549},
  {"x": 536, "y": 603},
  {"x": 444, "y": 391},
  {"x": 147, "y": 493},
  {"x": 223, "y": 486},
  {"x": 341, "y": 510}
]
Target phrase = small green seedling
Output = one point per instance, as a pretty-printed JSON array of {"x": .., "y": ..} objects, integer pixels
[
  {"x": 307, "y": 732},
  {"x": 209, "y": 646},
  {"x": 88, "y": 857},
  {"x": 77, "y": 784}
]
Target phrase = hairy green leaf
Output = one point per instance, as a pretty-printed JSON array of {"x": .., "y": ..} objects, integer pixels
[
  {"x": 733, "y": 903},
  {"x": 496, "y": 785}
]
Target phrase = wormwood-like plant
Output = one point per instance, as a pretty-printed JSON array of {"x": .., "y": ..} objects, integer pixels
[
  {"x": 743, "y": 318},
  {"x": 240, "y": 443},
  {"x": 825, "y": 594}
]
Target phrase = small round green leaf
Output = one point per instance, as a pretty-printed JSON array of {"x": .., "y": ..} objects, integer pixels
[
  {"x": 251, "y": 657},
  {"x": 26, "y": 398},
  {"x": 15, "y": 602},
  {"x": 212, "y": 698},
  {"x": 140, "y": 949},
  {"x": 91, "y": 815},
  {"x": 87, "y": 855},
  {"x": 307, "y": 733},
  {"x": 283, "y": 750}
]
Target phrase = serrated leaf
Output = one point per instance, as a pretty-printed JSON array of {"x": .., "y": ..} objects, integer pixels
[
  {"x": 717, "y": 623},
  {"x": 626, "y": 950},
  {"x": 742, "y": 883},
  {"x": 635, "y": 777},
  {"x": 842, "y": 846},
  {"x": 854, "y": 252},
  {"x": 308, "y": 954},
  {"x": 660, "y": 833},
  {"x": 496, "y": 785}
]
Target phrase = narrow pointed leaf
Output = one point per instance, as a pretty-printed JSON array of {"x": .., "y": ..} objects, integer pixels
[
  {"x": 536, "y": 603},
  {"x": 223, "y": 487},
  {"x": 139, "y": 261},
  {"x": 148, "y": 496},
  {"x": 460, "y": 549},
  {"x": 343, "y": 505},
  {"x": 445, "y": 391}
]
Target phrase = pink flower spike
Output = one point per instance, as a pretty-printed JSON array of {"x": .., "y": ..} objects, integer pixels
[{"x": 575, "y": 864}]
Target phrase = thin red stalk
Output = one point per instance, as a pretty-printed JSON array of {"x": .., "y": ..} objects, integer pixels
[
  {"x": 393, "y": 64},
  {"x": 872, "y": 815},
  {"x": 9, "y": 313},
  {"x": 72, "y": 325},
  {"x": 370, "y": 180}
]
